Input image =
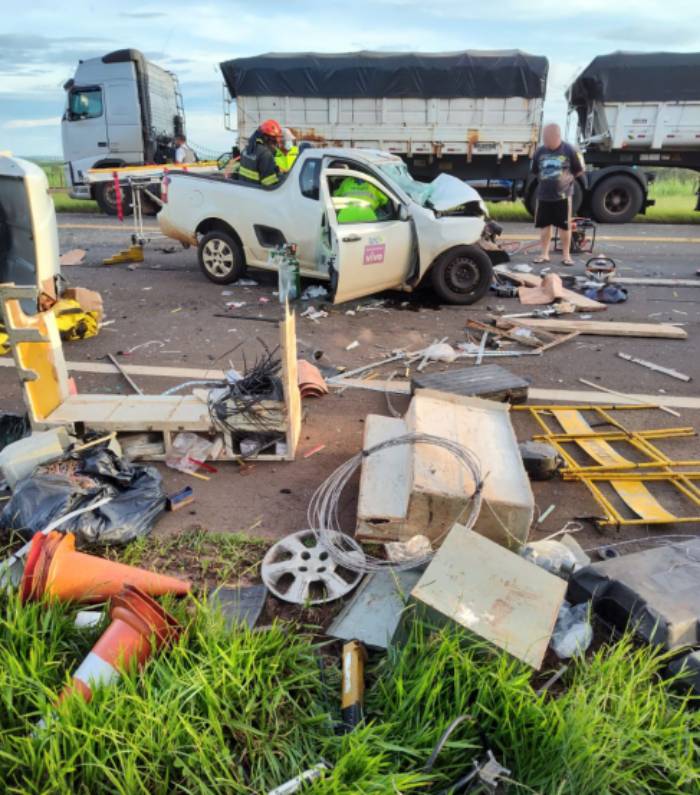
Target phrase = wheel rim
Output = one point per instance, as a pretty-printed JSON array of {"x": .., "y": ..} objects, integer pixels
[
  {"x": 617, "y": 201},
  {"x": 298, "y": 569},
  {"x": 110, "y": 195},
  {"x": 462, "y": 275},
  {"x": 217, "y": 257}
]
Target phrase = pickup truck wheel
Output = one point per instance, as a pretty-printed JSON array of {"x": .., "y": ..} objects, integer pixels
[
  {"x": 106, "y": 198},
  {"x": 462, "y": 275},
  {"x": 220, "y": 258},
  {"x": 616, "y": 200}
]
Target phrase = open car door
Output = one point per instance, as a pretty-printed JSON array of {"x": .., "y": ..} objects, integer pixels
[{"x": 368, "y": 232}]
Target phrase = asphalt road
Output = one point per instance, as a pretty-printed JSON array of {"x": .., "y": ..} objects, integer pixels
[{"x": 167, "y": 302}]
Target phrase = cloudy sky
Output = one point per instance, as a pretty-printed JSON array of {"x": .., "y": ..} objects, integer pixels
[{"x": 39, "y": 48}]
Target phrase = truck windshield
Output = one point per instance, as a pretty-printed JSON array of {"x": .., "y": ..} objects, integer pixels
[{"x": 398, "y": 173}]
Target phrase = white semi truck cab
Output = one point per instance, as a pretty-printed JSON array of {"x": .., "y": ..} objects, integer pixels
[{"x": 121, "y": 110}]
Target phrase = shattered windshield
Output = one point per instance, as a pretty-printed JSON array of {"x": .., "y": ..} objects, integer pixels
[{"x": 398, "y": 173}]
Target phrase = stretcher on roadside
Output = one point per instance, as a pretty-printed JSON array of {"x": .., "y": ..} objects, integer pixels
[{"x": 140, "y": 181}]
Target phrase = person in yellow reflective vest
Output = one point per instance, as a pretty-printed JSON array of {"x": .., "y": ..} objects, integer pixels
[
  {"x": 257, "y": 162},
  {"x": 287, "y": 153},
  {"x": 363, "y": 201}
]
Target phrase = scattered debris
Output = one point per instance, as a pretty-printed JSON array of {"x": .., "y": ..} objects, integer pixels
[
  {"x": 311, "y": 382},
  {"x": 241, "y": 605},
  {"x": 491, "y": 381},
  {"x": 493, "y": 593},
  {"x": 75, "y": 256},
  {"x": 606, "y": 328},
  {"x": 560, "y": 556},
  {"x": 541, "y": 460},
  {"x": 20, "y": 458},
  {"x": 653, "y": 592},
  {"x": 295, "y": 784},
  {"x": 314, "y": 450},
  {"x": 181, "y": 499},
  {"x": 354, "y": 344},
  {"x": 129, "y": 380},
  {"x": 656, "y": 367},
  {"x": 418, "y": 547},
  {"x": 573, "y": 632},
  {"x": 314, "y": 291},
  {"x": 314, "y": 314}
]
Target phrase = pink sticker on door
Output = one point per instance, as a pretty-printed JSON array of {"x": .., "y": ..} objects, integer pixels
[{"x": 374, "y": 254}]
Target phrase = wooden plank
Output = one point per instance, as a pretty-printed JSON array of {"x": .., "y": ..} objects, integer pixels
[
  {"x": 657, "y": 282},
  {"x": 572, "y": 297},
  {"x": 569, "y": 396},
  {"x": 603, "y": 328},
  {"x": 100, "y": 368},
  {"x": 290, "y": 379}
]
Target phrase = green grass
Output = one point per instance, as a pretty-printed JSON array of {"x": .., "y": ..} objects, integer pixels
[
  {"x": 62, "y": 201},
  {"x": 241, "y": 712},
  {"x": 673, "y": 190}
]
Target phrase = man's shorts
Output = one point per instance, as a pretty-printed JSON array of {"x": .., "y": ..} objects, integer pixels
[{"x": 554, "y": 213}]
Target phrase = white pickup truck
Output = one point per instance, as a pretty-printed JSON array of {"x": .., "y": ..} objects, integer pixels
[{"x": 420, "y": 229}]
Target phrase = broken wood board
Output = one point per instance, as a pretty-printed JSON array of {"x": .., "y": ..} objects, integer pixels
[
  {"x": 488, "y": 381},
  {"x": 569, "y": 396},
  {"x": 655, "y": 367},
  {"x": 493, "y": 593},
  {"x": 100, "y": 368},
  {"x": 603, "y": 328},
  {"x": 533, "y": 280},
  {"x": 657, "y": 282},
  {"x": 438, "y": 484}
]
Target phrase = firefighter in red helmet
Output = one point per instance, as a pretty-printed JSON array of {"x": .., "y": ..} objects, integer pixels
[{"x": 258, "y": 158}]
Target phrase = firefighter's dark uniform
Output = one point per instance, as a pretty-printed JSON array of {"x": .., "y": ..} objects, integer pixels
[{"x": 258, "y": 162}]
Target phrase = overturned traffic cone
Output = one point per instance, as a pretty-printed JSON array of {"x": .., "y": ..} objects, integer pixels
[
  {"x": 55, "y": 569},
  {"x": 140, "y": 627}
]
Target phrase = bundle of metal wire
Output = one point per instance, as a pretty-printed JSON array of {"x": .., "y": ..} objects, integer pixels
[
  {"x": 323, "y": 508},
  {"x": 242, "y": 398}
]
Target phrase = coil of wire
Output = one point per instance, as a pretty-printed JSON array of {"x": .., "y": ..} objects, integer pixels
[{"x": 323, "y": 511}]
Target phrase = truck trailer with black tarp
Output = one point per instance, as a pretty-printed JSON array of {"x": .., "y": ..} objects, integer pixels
[
  {"x": 476, "y": 115},
  {"x": 635, "y": 110}
]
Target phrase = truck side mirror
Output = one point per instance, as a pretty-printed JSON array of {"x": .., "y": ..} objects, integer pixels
[{"x": 403, "y": 213}]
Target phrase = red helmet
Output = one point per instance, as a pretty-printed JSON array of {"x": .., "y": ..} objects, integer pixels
[{"x": 271, "y": 129}]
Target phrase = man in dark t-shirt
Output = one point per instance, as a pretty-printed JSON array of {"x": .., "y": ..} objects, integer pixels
[{"x": 556, "y": 164}]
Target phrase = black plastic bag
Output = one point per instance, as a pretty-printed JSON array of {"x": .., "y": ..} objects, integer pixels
[
  {"x": 12, "y": 428},
  {"x": 136, "y": 491}
]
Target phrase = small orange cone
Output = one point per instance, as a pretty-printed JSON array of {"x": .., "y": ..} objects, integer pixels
[
  {"x": 139, "y": 628},
  {"x": 54, "y": 568}
]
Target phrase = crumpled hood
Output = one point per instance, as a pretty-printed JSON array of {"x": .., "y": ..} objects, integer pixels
[{"x": 447, "y": 192}]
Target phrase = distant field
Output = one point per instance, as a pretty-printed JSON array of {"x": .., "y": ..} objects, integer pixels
[{"x": 674, "y": 194}]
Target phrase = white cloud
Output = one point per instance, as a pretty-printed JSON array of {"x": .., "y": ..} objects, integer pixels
[{"x": 23, "y": 124}]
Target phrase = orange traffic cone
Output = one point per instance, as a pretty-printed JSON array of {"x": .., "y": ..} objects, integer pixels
[
  {"x": 139, "y": 628},
  {"x": 54, "y": 568}
]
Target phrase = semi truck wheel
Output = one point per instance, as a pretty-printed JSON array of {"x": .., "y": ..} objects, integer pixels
[
  {"x": 616, "y": 200},
  {"x": 220, "y": 257},
  {"x": 462, "y": 275},
  {"x": 106, "y": 198}
]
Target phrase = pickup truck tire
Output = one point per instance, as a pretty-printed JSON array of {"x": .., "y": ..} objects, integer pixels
[
  {"x": 462, "y": 275},
  {"x": 616, "y": 199},
  {"x": 106, "y": 198},
  {"x": 220, "y": 257}
]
